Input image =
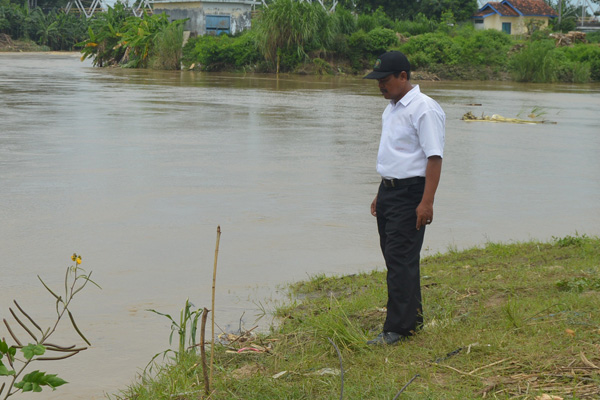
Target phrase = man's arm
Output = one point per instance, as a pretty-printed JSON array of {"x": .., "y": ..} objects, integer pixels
[{"x": 432, "y": 179}]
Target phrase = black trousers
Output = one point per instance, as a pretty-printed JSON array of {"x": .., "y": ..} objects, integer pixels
[{"x": 401, "y": 244}]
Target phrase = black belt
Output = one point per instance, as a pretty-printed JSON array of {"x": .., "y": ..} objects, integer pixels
[{"x": 390, "y": 183}]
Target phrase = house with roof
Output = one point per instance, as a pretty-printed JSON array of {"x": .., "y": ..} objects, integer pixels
[
  {"x": 208, "y": 17},
  {"x": 515, "y": 17}
]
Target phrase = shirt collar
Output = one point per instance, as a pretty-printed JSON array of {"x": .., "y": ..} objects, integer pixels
[{"x": 408, "y": 97}]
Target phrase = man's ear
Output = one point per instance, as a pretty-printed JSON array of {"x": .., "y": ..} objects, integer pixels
[{"x": 403, "y": 76}]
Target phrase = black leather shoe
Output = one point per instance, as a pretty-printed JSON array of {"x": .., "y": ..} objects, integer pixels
[{"x": 387, "y": 338}]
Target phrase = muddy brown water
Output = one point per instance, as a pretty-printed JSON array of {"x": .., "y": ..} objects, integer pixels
[{"x": 136, "y": 169}]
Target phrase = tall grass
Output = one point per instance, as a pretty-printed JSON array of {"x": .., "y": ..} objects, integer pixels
[
  {"x": 167, "y": 49},
  {"x": 292, "y": 28},
  {"x": 535, "y": 63}
]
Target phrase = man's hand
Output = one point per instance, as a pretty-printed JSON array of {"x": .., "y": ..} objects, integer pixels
[
  {"x": 374, "y": 207},
  {"x": 424, "y": 214}
]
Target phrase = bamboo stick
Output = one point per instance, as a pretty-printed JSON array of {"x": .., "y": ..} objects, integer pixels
[{"x": 212, "y": 340}]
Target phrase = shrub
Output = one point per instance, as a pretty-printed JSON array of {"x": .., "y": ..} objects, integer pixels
[
  {"x": 593, "y": 37},
  {"x": 588, "y": 54},
  {"x": 378, "y": 19},
  {"x": 535, "y": 63},
  {"x": 245, "y": 50},
  {"x": 213, "y": 52},
  {"x": 439, "y": 48},
  {"x": 343, "y": 21},
  {"x": 419, "y": 25},
  {"x": 379, "y": 40},
  {"x": 483, "y": 47},
  {"x": 358, "y": 44},
  {"x": 166, "y": 52}
]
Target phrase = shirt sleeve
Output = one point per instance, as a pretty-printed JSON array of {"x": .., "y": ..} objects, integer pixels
[{"x": 431, "y": 131}]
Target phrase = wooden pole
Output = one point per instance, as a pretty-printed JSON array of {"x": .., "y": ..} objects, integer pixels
[
  {"x": 212, "y": 341},
  {"x": 203, "y": 352}
]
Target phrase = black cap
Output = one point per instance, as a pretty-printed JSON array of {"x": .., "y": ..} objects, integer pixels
[{"x": 388, "y": 63}]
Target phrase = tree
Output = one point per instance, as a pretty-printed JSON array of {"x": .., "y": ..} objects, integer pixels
[{"x": 408, "y": 9}]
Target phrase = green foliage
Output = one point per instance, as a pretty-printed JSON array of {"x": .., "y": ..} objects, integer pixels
[
  {"x": 535, "y": 63},
  {"x": 419, "y": 25},
  {"x": 483, "y": 47},
  {"x": 579, "y": 284},
  {"x": 139, "y": 36},
  {"x": 215, "y": 53},
  {"x": 32, "y": 350},
  {"x": 186, "y": 329},
  {"x": 407, "y": 9},
  {"x": 431, "y": 48},
  {"x": 104, "y": 37},
  {"x": 344, "y": 22},
  {"x": 585, "y": 55},
  {"x": 166, "y": 53},
  {"x": 593, "y": 37},
  {"x": 287, "y": 30},
  {"x": 118, "y": 38},
  {"x": 55, "y": 29},
  {"x": 33, "y": 381},
  {"x": 378, "y": 19},
  {"x": 358, "y": 44},
  {"x": 380, "y": 40},
  {"x": 577, "y": 240},
  {"x": 75, "y": 281}
]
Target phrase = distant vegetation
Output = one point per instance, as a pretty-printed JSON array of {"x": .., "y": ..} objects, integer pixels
[{"x": 301, "y": 37}]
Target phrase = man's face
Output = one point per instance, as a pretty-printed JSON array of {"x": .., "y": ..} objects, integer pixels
[{"x": 391, "y": 87}]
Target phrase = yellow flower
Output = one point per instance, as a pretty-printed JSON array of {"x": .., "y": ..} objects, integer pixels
[
  {"x": 74, "y": 257},
  {"x": 78, "y": 260}
]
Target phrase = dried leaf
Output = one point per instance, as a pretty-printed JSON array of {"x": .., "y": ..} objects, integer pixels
[
  {"x": 548, "y": 397},
  {"x": 570, "y": 332},
  {"x": 279, "y": 374}
]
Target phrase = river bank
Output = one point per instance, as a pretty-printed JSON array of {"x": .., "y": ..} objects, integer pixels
[
  {"x": 134, "y": 169},
  {"x": 515, "y": 320},
  {"x": 7, "y": 44}
]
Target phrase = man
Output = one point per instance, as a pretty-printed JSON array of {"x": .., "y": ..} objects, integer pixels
[{"x": 410, "y": 162}]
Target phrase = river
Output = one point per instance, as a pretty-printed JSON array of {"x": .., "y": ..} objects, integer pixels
[{"x": 136, "y": 169}]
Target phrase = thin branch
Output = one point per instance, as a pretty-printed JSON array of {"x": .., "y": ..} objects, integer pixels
[
  {"x": 405, "y": 386},
  {"x": 541, "y": 311},
  {"x": 339, "y": 354},
  {"x": 11, "y": 333},
  {"x": 454, "y": 369},
  {"x": 28, "y": 317},
  {"x": 59, "y": 347},
  {"x": 52, "y": 348},
  {"x": 22, "y": 325},
  {"x": 56, "y": 358},
  {"x": 489, "y": 365},
  {"x": 242, "y": 335}
]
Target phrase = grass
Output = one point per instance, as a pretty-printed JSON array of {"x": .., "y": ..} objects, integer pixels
[{"x": 506, "y": 321}]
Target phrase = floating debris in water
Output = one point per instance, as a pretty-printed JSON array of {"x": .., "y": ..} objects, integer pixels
[{"x": 469, "y": 117}]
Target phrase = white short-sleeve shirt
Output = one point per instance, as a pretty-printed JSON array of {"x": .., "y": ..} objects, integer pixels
[{"x": 413, "y": 129}]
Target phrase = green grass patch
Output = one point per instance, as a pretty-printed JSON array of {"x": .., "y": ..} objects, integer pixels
[{"x": 503, "y": 321}]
